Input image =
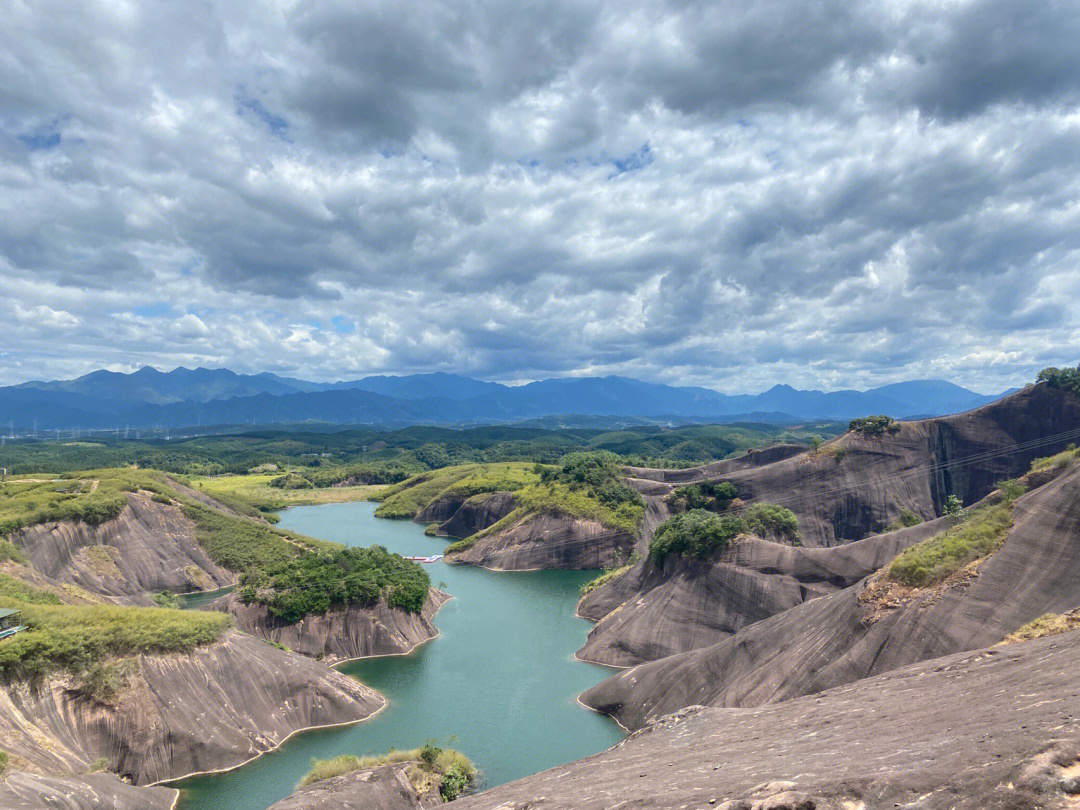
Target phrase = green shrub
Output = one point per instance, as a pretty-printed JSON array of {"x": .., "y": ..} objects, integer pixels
[
  {"x": 906, "y": 520},
  {"x": 953, "y": 508},
  {"x": 454, "y": 783},
  {"x": 715, "y": 496},
  {"x": 316, "y": 582},
  {"x": 698, "y": 533},
  {"x": 451, "y": 770},
  {"x": 767, "y": 519},
  {"x": 873, "y": 425},
  {"x": 166, "y": 599},
  {"x": 1011, "y": 489},
  {"x": 4, "y": 760},
  {"x": 939, "y": 557},
  {"x": 100, "y": 764},
  {"x": 429, "y": 753}
]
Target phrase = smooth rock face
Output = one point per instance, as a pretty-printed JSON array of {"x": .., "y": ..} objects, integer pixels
[
  {"x": 916, "y": 468},
  {"x": 842, "y": 638},
  {"x": 985, "y": 730},
  {"x": 150, "y": 547},
  {"x": 93, "y": 791},
  {"x": 549, "y": 541},
  {"x": 343, "y": 633},
  {"x": 383, "y": 788},
  {"x": 212, "y": 709},
  {"x": 652, "y": 612},
  {"x": 648, "y": 614}
]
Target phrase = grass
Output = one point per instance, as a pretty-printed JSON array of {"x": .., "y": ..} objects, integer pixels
[
  {"x": 26, "y": 503},
  {"x": 1060, "y": 461},
  {"x": 278, "y": 569},
  {"x": 76, "y": 638},
  {"x": 933, "y": 560},
  {"x": 255, "y": 492},
  {"x": 410, "y": 497},
  {"x": 446, "y": 769},
  {"x": 1049, "y": 624},
  {"x": 604, "y": 578},
  {"x": 534, "y": 496}
]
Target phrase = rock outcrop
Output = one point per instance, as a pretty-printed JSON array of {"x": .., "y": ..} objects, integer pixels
[
  {"x": 386, "y": 787},
  {"x": 94, "y": 791},
  {"x": 344, "y": 632},
  {"x": 549, "y": 541},
  {"x": 992, "y": 729},
  {"x": 150, "y": 547},
  {"x": 651, "y": 612},
  {"x": 857, "y": 485},
  {"x": 212, "y": 709},
  {"x": 855, "y": 633}
]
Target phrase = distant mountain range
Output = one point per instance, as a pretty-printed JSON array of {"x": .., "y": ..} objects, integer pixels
[{"x": 183, "y": 397}]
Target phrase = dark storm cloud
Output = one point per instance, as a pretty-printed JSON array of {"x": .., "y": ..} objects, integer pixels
[{"x": 728, "y": 194}]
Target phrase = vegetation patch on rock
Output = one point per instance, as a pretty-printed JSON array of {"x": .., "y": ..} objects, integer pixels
[
  {"x": 432, "y": 768},
  {"x": 78, "y": 638},
  {"x": 1067, "y": 379},
  {"x": 873, "y": 425},
  {"x": 977, "y": 535},
  {"x": 1049, "y": 624}
]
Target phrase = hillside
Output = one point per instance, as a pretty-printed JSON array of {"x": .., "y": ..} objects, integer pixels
[
  {"x": 523, "y": 516},
  {"x": 856, "y": 486},
  {"x": 880, "y": 623}
]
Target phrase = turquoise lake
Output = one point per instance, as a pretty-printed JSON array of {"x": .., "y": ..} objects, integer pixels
[{"x": 499, "y": 683}]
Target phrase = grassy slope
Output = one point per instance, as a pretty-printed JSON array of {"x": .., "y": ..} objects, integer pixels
[
  {"x": 410, "y": 497},
  {"x": 276, "y": 567},
  {"x": 73, "y": 638},
  {"x": 255, "y": 491}
]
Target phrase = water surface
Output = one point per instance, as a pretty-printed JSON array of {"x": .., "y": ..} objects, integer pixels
[{"x": 501, "y": 677}]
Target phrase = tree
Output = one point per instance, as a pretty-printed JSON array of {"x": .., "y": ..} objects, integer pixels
[{"x": 953, "y": 507}]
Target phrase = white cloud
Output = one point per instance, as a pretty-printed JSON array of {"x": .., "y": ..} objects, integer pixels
[{"x": 729, "y": 195}]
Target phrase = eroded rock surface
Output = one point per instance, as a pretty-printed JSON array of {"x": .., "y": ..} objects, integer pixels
[
  {"x": 858, "y": 485},
  {"x": 150, "y": 547},
  {"x": 384, "y": 788},
  {"x": 94, "y": 791},
  {"x": 344, "y": 632},
  {"x": 652, "y": 612},
  {"x": 983, "y": 730},
  {"x": 180, "y": 714},
  {"x": 844, "y": 636},
  {"x": 549, "y": 541}
]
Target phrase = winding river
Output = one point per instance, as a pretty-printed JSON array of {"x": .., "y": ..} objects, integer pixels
[{"x": 500, "y": 682}]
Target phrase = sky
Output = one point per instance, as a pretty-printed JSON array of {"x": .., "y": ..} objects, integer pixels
[{"x": 728, "y": 194}]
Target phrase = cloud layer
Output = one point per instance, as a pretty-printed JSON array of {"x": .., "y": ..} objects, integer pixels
[{"x": 728, "y": 194}]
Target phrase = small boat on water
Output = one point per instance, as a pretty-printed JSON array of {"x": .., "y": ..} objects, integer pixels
[{"x": 429, "y": 559}]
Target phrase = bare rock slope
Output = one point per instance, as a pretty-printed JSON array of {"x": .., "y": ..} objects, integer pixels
[
  {"x": 851, "y": 634},
  {"x": 854, "y": 486},
  {"x": 858, "y": 485},
  {"x": 995, "y": 729},
  {"x": 342, "y": 633},
  {"x": 93, "y": 791},
  {"x": 383, "y": 788},
  {"x": 653, "y": 611},
  {"x": 208, "y": 710},
  {"x": 150, "y": 547}
]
